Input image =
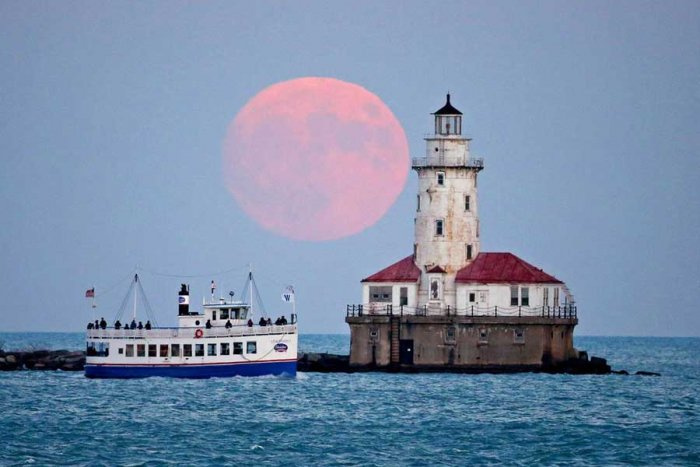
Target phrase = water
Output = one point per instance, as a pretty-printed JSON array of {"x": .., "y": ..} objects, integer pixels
[{"x": 367, "y": 419}]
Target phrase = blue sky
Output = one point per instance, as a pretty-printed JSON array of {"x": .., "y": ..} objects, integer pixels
[{"x": 112, "y": 117}]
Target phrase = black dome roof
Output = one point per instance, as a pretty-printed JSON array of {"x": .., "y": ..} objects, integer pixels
[{"x": 447, "y": 109}]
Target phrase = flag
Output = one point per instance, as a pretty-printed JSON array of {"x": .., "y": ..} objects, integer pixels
[
  {"x": 90, "y": 293},
  {"x": 288, "y": 294}
]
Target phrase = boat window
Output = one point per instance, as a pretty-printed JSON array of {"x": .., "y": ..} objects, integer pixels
[
  {"x": 97, "y": 349},
  {"x": 199, "y": 350},
  {"x": 175, "y": 350},
  {"x": 91, "y": 349},
  {"x": 152, "y": 350},
  {"x": 140, "y": 350},
  {"x": 163, "y": 350},
  {"x": 121, "y": 351},
  {"x": 211, "y": 349},
  {"x": 238, "y": 348},
  {"x": 129, "y": 350},
  {"x": 187, "y": 350},
  {"x": 225, "y": 348},
  {"x": 224, "y": 313},
  {"x": 251, "y": 347},
  {"x": 213, "y": 315}
]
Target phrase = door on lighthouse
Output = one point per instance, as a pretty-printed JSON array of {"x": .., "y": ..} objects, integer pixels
[{"x": 482, "y": 300}]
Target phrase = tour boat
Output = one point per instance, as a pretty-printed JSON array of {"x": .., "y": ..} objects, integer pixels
[{"x": 221, "y": 340}]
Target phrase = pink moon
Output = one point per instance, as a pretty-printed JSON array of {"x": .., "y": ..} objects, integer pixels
[{"x": 315, "y": 158}]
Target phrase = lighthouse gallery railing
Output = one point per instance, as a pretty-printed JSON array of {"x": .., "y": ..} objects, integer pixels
[{"x": 379, "y": 309}]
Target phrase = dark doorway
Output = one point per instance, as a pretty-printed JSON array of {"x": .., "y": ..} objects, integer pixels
[{"x": 406, "y": 351}]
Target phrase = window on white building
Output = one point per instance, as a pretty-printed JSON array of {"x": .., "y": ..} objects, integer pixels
[
  {"x": 525, "y": 296},
  {"x": 418, "y": 208},
  {"x": 439, "y": 226},
  {"x": 545, "y": 296},
  {"x": 466, "y": 203},
  {"x": 435, "y": 289},
  {"x": 469, "y": 252},
  {"x": 440, "y": 178},
  {"x": 518, "y": 336},
  {"x": 556, "y": 296},
  {"x": 514, "y": 296},
  {"x": 472, "y": 297},
  {"x": 380, "y": 294}
]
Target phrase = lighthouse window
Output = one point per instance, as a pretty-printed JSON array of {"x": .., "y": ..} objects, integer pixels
[
  {"x": 418, "y": 203},
  {"x": 152, "y": 350},
  {"x": 163, "y": 350},
  {"x": 472, "y": 297},
  {"x": 238, "y": 348},
  {"x": 129, "y": 350},
  {"x": 518, "y": 336},
  {"x": 251, "y": 347},
  {"x": 469, "y": 252},
  {"x": 187, "y": 350},
  {"x": 175, "y": 350},
  {"x": 199, "y": 350},
  {"x": 441, "y": 178},
  {"x": 439, "y": 224},
  {"x": 380, "y": 294},
  {"x": 211, "y": 349},
  {"x": 525, "y": 296},
  {"x": 225, "y": 348},
  {"x": 141, "y": 350},
  {"x": 513, "y": 296},
  {"x": 466, "y": 203}
]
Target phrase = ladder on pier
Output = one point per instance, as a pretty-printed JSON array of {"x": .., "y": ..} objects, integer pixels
[{"x": 395, "y": 323}]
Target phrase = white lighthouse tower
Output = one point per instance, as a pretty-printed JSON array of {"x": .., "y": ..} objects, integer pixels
[{"x": 447, "y": 218}]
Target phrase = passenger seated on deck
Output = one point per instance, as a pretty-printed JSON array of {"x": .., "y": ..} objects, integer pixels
[
  {"x": 103, "y": 323},
  {"x": 262, "y": 322},
  {"x": 208, "y": 325},
  {"x": 90, "y": 325},
  {"x": 250, "y": 323},
  {"x": 133, "y": 324},
  {"x": 140, "y": 325},
  {"x": 269, "y": 321},
  {"x": 228, "y": 324},
  {"x": 97, "y": 324},
  {"x": 117, "y": 325},
  {"x": 283, "y": 320},
  {"x": 148, "y": 324},
  {"x": 278, "y": 321}
]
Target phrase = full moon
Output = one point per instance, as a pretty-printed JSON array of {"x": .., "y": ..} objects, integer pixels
[{"x": 315, "y": 158}]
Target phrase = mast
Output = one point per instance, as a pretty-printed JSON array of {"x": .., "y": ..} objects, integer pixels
[
  {"x": 136, "y": 279},
  {"x": 250, "y": 280}
]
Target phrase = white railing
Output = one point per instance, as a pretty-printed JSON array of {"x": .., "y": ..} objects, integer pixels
[
  {"x": 565, "y": 311},
  {"x": 163, "y": 333},
  {"x": 448, "y": 161}
]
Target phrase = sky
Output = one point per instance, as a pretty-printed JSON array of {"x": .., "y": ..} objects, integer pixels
[{"x": 113, "y": 117}]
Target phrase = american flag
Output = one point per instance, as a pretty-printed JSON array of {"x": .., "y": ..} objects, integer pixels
[{"x": 90, "y": 293}]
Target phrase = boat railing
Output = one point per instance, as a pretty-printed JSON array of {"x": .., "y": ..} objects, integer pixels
[{"x": 193, "y": 332}]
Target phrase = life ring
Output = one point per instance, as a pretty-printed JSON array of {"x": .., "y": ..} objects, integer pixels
[{"x": 198, "y": 333}]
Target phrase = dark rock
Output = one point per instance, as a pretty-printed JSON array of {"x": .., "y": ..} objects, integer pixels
[
  {"x": 620, "y": 372},
  {"x": 647, "y": 373}
]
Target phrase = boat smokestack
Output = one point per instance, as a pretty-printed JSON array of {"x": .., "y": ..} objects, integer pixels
[{"x": 184, "y": 300}]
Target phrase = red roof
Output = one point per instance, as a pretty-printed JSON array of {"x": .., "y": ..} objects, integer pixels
[
  {"x": 401, "y": 271},
  {"x": 503, "y": 267}
]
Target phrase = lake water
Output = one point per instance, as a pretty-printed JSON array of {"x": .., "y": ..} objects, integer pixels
[{"x": 367, "y": 419}]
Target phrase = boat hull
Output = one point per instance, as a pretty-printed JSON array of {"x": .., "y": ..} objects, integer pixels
[{"x": 286, "y": 368}]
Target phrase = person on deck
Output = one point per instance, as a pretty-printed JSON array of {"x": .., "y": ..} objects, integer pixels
[
  {"x": 250, "y": 323},
  {"x": 140, "y": 326},
  {"x": 133, "y": 324},
  {"x": 103, "y": 323},
  {"x": 208, "y": 325},
  {"x": 90, "y": 325},
  {"x": 283, "y": 320},
  {"x": 148, "y": 324},
  {"x": 117, "y": 325},
  {"x": 228, "y": 324},
  {"x": 262, "y": 322}
]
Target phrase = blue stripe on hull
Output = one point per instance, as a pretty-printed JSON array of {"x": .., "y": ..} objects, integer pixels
[{"x": 192, "y": 371}]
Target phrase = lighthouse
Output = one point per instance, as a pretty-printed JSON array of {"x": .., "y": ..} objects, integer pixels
[
  {"x": 449, "y": 305},
  {"x": 446, "y": 234}
]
